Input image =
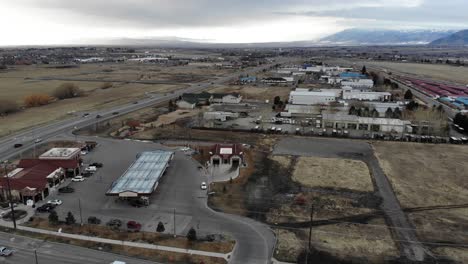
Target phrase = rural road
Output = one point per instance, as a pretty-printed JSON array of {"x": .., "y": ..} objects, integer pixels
[
  {"x": 255, "y": 241},
  {"x": 56, "y": 253},
  {"x": 403, "y": 231}
]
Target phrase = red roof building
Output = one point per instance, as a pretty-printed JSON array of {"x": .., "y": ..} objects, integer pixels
[
  {"x": 226, "y": 154},
  {"x": 32, "y": 178}
]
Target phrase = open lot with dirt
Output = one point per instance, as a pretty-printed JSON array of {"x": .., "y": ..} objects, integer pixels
[
  {"x": 333, "y": 173},
  {"x": 431, "y": 71},
  {"x": 430, "y": 182},
  {"x": 251, "y": 92}
]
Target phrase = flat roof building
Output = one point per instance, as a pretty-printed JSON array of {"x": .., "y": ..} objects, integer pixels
[
  {"x": 142, "y": 177},
  {"x": 61, "y": 154},
  {"x": 305, "y": 97}
]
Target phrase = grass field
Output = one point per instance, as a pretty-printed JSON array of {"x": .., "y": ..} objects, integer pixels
[
  {"x": 430, "y": 182},
  {"x": 333, "y": 173},
  {"x": 20, "y": 81}
]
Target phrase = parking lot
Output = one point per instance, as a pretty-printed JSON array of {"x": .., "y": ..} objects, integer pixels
[{"x": 179, "y": 188}]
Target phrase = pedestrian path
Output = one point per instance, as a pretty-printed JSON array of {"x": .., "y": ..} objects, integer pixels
[{"x": 118, "y": 242}]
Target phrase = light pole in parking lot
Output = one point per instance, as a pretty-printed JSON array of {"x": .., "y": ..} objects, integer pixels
[
  {"x": 76, "y": 136},
  {"x": 10, "y": 197},
  {"x": 79, "y": 206}
]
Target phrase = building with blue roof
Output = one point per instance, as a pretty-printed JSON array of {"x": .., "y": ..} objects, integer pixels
[
  {"x": 352, "y": 75},
  {"x": 462, "y": 101}
]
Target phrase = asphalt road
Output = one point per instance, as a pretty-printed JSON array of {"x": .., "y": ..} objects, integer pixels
[
  {"x": 56, "y": 253},
  {"x": 178, "y": 190},
  {"x": 350, "y": 149},
  {"x": 254, "y": 241},
  {"x": 27, "y": 137}
]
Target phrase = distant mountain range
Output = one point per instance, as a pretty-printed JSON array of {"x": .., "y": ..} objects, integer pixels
[
  {"x": 459, "y": 38},
  {"x": 384, "y": 37}
]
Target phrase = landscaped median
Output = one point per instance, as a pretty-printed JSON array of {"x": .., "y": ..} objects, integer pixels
[{"x": 146, "y": 245}]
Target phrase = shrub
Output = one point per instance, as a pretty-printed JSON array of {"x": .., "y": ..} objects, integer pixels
[
  {"x": 192, "y": 234},
  {"x": 106, "y": 85},
  {"x": 8, "y": 107},
  {"x": 70, "y": 220},
  {"x": 67, "y": 90},
  {"x": 160, "y": 227},
  {"x": 37, "y": 100},
  {"x": 53, "y": 218}
]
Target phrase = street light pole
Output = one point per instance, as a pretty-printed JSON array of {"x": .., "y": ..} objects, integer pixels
[
  {"x": 35, "y": 256},
  {"x": 81, "y": 217},
  {"x": 9, "y": 194}
]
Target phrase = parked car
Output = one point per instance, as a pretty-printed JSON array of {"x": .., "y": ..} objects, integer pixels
[
  {"x": 78, "y": 178},
  {"x": 96, "y": 164},
  {"x": 94, "y": 220},
  {"x": 203, "y": 186},
  {"x": 18, "y": 145},
  {"x": 115, "y": 113},
  {"x": 38, "y": 140},
  {"x": 114, "y": 223},
  {"x": 83, "y": 152},
  {"x": 87, "y": 174},
  {"x": 46, "y": 208},
  {"x": 55, "y": 202},
  {"x": 98, "y": 116},
  {"x": 85, "y": 114},
  {"x": 66, "y": 189},
  {"x": 5, "y": 252},
  {"x": 91, "y": 169},
  {"x": 137, "y": 203},
  {"x": 133, "y": 226}
]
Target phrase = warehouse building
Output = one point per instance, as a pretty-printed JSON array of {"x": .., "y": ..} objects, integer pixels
[
  {"x": 351, "y": 94},
  {"x": 306, "y": 97},
  {"x": 352, "y": 122},
  {"x": 142, "y": 177},
  {"x": 358, "y": 84}
]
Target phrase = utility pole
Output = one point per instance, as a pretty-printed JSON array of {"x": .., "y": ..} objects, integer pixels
[
  {"x": 9, "y": 194},
  {"x": 174, "y": 224},
  {"x": 35, "y": 256},
  {"x": 310, "y": 233},
  {"x": 81, "y": 217}
]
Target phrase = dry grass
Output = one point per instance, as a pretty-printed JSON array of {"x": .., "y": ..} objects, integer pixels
[
  {"x": 431, "y": 179},
  {"x": 441, "y": 72},
  {"x": 457, "y": 254},
  {"x": 147, "y": 237},
  {"x": 333, "y": 173},
  {"x": 255, "y": 92},
  {"x": 172, "y": 117},
  {"x": 289, "y": 246}
]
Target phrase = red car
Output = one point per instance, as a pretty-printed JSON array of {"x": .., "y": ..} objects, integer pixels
[{"x": 133, "y": 226}]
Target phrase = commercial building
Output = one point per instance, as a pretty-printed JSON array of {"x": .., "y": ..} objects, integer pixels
[
  {"x": 61, "y": 154},
  {"x": 358, "y": 83},
  {"x": 306, "y": 97},
  {"x": 142, "y": 177},
  {"x": 30, "y": 181},
  {"x": 351, "y": 94},
  {"x": 220, "y": 116},
  {"x": 248, "y": 79},
  {"x": 351, "y": 122},
  {"x": 226, "y": 98},
  {"x": 278, "y": 80},
  {"x": 230, "y": 154}
]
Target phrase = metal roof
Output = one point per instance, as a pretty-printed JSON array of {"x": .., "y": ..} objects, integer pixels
[{"x": 143, "y": 175}]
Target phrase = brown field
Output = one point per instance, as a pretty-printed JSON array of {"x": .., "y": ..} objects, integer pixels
[
  {"x": 430, "y": 181},
  {"x": 432, "y": 71},
  {"x": 333, "y": 173},
  {"x": 251, "y": 92}
]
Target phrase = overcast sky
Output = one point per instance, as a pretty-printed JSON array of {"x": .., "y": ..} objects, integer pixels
[{"x": 37, "y": 22}]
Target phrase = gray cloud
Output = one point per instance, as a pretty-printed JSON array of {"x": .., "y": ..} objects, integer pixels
[{"x": 168, "y": 14}]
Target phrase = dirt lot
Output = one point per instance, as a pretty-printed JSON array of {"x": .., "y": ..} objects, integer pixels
[
  {"x": 430, "y": 182},
  {"x": 251, "y": 92},
  {"x": 333, "y": 173},
  {"x": 441, "y": 72}
]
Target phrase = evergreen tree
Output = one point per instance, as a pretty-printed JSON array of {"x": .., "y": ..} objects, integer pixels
[
  {"x": 192, "y": 234},
  {"x": 70, "y": 219},
  {"x": 160, "y": 227},
  {"x": 53, "y": 218},
  {"x": 408, "y": 95}
]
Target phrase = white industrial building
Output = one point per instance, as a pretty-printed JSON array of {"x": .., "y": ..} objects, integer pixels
[
  {"x": 220, "y": 116},
  {"x": 352, "y": 122},
  {"x": 358, "y": 83},
  {"x": 306, "y": 97},
  {"x": 351, "y": 94},
  {"x": 230, "y": 98}
]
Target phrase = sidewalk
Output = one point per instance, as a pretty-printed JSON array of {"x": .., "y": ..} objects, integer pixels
[{"x": 119, "y": 242}]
